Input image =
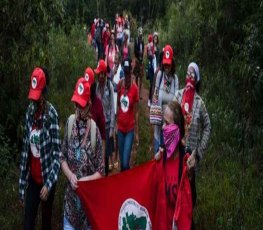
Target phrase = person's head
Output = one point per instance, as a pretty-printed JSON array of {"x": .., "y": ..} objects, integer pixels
[
  {"x": 101, "y": 71},
  {"x": 127, "y": 68},
  {"x": 81, "y": 98},
  {"x": 39, "y": 81},
  {"x": 193, "y": 76},
  {"x": 107, "y": 26},
  {"x": 150, "y": 38},
  {"x": 173, "y": 115},
  {"x": 168, "y": 63},
  {"x": 155, "y": 38}
]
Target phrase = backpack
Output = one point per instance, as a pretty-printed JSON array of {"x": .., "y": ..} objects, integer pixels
[{"x": 71, "y": 121}]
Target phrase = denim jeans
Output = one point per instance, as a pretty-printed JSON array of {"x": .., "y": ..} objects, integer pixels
[
  {"x": 67, "y": 225},
  {"x": 125, "y": 141},
  {"x": 157, "y": 143},
  {"x": 109, "y": 148},
  {"x": 32, "y": 203}
]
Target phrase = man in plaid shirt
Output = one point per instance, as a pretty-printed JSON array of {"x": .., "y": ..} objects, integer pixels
[{"x": 39, "y": 165}]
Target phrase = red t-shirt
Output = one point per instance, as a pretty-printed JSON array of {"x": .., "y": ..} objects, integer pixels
[
  {"x": 171, "y": 176},
  {"x": 126, "y": 107},
  {"x": 98, "y": 116},
  {"x": 35, "y": 164}
]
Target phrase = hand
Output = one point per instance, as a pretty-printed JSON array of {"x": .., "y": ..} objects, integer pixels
[
  {"x": 191, "y": 161},
  {"x": 137, "y": 139},
  {"x": 159, "y": 154},
  {"x": 44, "y": 193},
  {"x": 73, "y": 181}
]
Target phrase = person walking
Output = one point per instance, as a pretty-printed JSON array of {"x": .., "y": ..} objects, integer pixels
[
  {"x": 39, "y": 164},
  {"x": 105, "y": 92},
  {"x": 166, "y": 86},
  {"x": 197, "y": 121},
  {"x": 81, "y": 158},
  {"x": 138, "y": 70},
  {"x": 127, "y": 115},
  {"x": 177, "y": 175}
]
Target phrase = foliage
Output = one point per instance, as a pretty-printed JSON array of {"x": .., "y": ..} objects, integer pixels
[{"x": 224, "y": 37}]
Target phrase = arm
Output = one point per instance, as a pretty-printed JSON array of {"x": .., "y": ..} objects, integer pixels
[
  {"x": 136, "y": 115},
  {"x": 112, "y": 122},
  {"x": 55, "y": 141},
  {"x": 94, "y": 176},
  {"x": 23, "y": 161},
  {"x": 206, "y": 130}
]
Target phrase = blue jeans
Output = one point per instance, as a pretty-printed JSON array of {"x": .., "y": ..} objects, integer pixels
[
  {"x": 125, "y": 141},
  {"x": 157, "y": 144},
  {"x": 67, "y": 225}
]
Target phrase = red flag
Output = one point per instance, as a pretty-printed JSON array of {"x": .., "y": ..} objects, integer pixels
[
  {"x": 184, "y": 207},
  {"x": 134, "y": 199}
]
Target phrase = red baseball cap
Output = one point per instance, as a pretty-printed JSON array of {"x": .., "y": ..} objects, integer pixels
[
  {"x": 81, "y": 93},
  {"x": 37, "y": 84},
  {"x": 89, "y": 75},
  {"x": 102, "y": 67},
  {"x": 167, "y": 55}
]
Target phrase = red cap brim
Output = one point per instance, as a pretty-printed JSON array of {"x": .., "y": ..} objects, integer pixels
[
  {"x": 79, "y": 100},
  {"x": 97, "y": 71},
  {"x": 167, "y": 61},
  {"x": 34, "y": 94}
]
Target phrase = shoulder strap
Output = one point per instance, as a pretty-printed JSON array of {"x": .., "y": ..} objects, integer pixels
[
  {"x": 93, "y": 134},
  {"x": 71, "y": 120},
  {"x": 160, "y": 80}
]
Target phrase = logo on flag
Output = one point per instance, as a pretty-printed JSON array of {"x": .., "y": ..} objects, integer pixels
[{"x": 133, "y": 216}]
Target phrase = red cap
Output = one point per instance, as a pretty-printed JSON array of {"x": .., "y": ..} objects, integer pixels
[
  {"x": 81, "y": 93},
  {"x": 101, "y": 67},
  {"x": 167, "y": 55},
  {"x": 89, "y": 75},
  {"x": 37, "y": 84}
]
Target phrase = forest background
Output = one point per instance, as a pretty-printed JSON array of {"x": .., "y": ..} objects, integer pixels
[{"x": 224, "y": 37}]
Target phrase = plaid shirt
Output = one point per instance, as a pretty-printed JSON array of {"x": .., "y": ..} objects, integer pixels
[
  {"x": 49, "y": 148},
  {"x": 200, "y": 127}
]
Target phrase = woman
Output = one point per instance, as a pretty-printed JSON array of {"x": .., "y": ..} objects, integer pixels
[
  {"x": 127, "y": 115},
  {"x": 111, "y": 52},
  {"x": 39, "y": 165},
  {"x": 105, "y": 92},
  {"x": 197, "y": 121},
  {"x": 166, "y": 86},
  {"x": 125, "y": 48},
  {"x": 177, "y": 183},
  {"x": 150, "y": 68},
  {"x": 81, "y": 158}
]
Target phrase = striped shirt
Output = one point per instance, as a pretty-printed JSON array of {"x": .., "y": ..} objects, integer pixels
[
  {"x": 49, "y": 148},
  {"x": 200, "y": 127}
]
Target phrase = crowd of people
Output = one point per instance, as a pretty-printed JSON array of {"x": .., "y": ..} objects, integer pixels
[{"x": 99, "y": 135}]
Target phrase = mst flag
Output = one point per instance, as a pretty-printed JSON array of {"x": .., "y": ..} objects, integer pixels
[{"x": 134, "y": 199}]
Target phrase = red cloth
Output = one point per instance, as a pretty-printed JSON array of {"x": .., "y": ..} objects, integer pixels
[
  {"x": 36, "y": 169},
  {"x": 105, "y": 38},
  {"x": 125, "y": 115},
  {"x": 106, "y": 205},
  {"x": 98, "y": 116},
  {"x": 188, "y": 97},
  {"x": 184, "y": 206},
  {"x": 171, "y": 177}
]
